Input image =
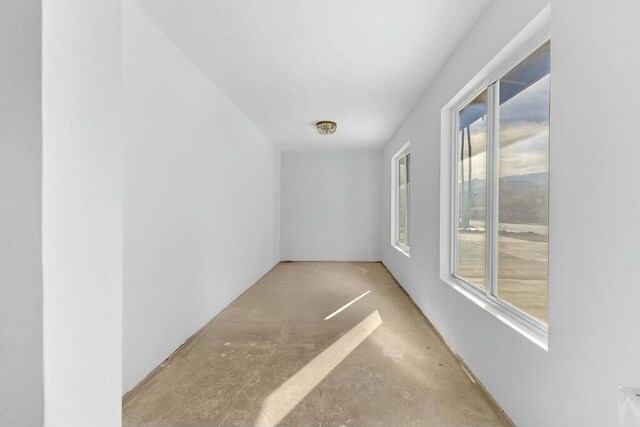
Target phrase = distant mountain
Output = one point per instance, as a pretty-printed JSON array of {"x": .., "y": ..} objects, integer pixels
[
  {"x": 523, "y": 198},
  {"x": 530, "y": 181},
  {"x": 541, "y": 178}
]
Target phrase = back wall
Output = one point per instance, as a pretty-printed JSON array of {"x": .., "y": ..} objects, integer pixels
[{"x": 330, "y": 206}]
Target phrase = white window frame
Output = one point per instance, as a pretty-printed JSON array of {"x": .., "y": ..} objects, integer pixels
[
  {"x": 395, "y": 194},
  {"x": 524, "y": 44}
]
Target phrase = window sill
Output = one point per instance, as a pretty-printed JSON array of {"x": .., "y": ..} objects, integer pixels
[
  {"x": 533, "y": 334},
  {"x": 402, "y": 249}
]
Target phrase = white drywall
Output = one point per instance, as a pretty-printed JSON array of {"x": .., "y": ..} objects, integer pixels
[
  {"x": 21, "y": 386},
  {"x": 330, "y": 206},
  {"x": 594, "y": 344},
  {"x": 201, "y": 197},
  {"x": 82, "y": 212}
]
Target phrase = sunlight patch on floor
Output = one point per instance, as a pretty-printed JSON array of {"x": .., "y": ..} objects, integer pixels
[
  {"x": 346, "y": 305},
  {"x": 281, "y": 401}
]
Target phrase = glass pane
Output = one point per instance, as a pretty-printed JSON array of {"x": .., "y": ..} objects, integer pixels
[
  {"x": 408, "y": 210},
  {"x": 402, "y": 201},
  {"x": 523, "y": 232},
  {"x": 472, "y": 183}
]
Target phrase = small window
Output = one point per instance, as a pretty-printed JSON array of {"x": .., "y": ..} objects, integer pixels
[
  {"x": 501, "y": 192},
  {"x": 401, "y": 185}
]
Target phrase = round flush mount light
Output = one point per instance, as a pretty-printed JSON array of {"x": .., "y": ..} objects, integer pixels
[{"x": 326, "y": 127}]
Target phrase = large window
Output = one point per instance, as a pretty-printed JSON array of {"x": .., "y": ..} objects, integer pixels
[
  {"x": 500, "y": 236},
  {"x": 401, "y": 184}
]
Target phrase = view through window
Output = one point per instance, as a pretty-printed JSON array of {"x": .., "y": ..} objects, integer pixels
[
  {"x": 403, "y": 201},
  {"x": 516, "y": 184},
  {"x": 523, "y": 216},
  {"x": 402, "y": 194},
  {"x": 472, "y": 197}
]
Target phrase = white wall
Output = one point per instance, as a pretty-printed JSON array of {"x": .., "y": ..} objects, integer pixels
[
  {"x": 594, "y": 344},
  {"x": 330, "y": 206},
  {"x": 201, "y": 197},
  {"x": 21, "y": 382},
  {"x": 82, "y": 212}
]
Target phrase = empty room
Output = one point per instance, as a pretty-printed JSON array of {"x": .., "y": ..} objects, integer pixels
[{"x": 319, "y": 213}]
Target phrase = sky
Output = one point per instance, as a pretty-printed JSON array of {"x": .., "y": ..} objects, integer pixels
[{"x": 524, "y": 134}]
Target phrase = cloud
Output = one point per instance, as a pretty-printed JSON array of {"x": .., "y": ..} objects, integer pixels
[
  {"x": 524, "y": 135},
  {"x": 530, "y": 105}
]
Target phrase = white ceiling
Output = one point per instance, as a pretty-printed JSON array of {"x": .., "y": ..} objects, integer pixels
[{"x": 290, "y": 63}]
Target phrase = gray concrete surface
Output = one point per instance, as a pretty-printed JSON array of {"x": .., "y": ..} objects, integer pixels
[{"x": 273, "y": 358}]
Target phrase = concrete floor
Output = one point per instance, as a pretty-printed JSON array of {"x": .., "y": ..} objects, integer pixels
[{"x": 273, "y": 357}]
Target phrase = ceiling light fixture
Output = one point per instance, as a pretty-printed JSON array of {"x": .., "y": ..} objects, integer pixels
[{"x": 326, "y": 127}]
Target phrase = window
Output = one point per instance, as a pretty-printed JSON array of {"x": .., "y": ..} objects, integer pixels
[
  {"x": 472, "y": 208},
  {"x": 500, "y": 191},
  {"x": 523, "y": 185},
  {"x": 401, "y": 185}
]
